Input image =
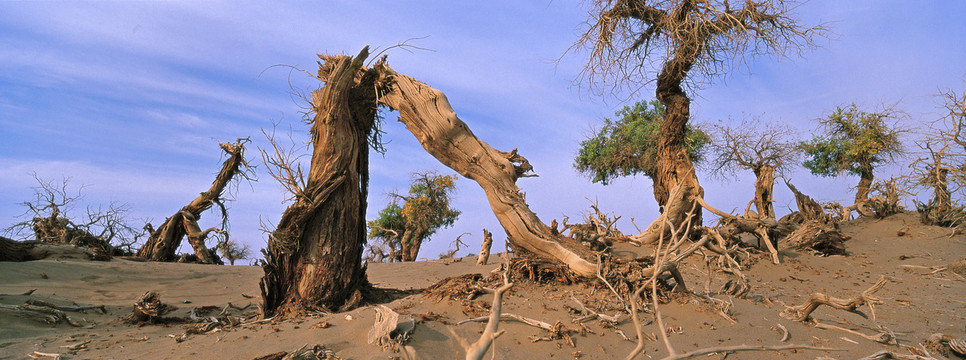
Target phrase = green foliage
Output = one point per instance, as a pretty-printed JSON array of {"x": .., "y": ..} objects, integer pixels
[
  {"x": 628, "y": 146},
  {"x": 854, "y": 142},
  {"x": 425, "y": 209}
]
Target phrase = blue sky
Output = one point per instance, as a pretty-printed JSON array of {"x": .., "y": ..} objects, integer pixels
[{"x": 131, "y": 98}]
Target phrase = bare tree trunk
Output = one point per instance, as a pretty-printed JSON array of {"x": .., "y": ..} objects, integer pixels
[
  {"x": 674, "y": 167},
  {"x": 314, "y": 257},
  {"x": 411, "y": 242},
  {"x": 485, "y": 248},
  {"x": 764, "y": 186},
  {"x": 865, "y": 185},
  {"x": 164, "y": 241},
  {"x": 429, "y": 116}
]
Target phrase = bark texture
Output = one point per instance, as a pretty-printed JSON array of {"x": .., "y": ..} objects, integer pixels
[
  {"x": 314, "y": 257},
  {"x": 674, "y": 167},
  {"x": 764, "y": 196},
  {"x": 865, "y": 184},
  {"x": 485, "y": 248},
  {"x": 164, "y": 241},
  {"x": 426, "y": 112},
  {"x": 11, "y": 250}
]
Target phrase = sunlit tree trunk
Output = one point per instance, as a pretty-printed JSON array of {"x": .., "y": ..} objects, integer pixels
[
  {"x": 314, "y": 257},
  {"x": 764, "y": 186}
]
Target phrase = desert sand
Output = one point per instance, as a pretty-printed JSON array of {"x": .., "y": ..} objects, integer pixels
[{"x": 923, "y": 296}]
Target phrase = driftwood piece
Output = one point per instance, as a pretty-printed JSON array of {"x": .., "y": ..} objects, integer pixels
[
  {"x": 476, "y": 350},
  {"x": 389, "y": 330},
  {"x": 802, "y": 312},
  {"x": 149, "y": 309},
  {"x": 40, "y": 313}
]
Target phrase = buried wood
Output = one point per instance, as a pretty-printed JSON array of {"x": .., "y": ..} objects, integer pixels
[
  {"x": 12, "y": 250},
  {"x": 164, "y": 241}
]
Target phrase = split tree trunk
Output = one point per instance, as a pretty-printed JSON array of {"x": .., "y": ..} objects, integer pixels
[
  {"x": 164, "y": 241},
  {"x": 429, "y": 116},
  {"x": 314, "y": 257},
  {"x": 485, "y": 248},
  {"x": 764, "y": 186}
]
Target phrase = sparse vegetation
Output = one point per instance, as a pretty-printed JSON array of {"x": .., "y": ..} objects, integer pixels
[
  {"x": 401, "y": 230},
  {"x": 854, "y": 141}
]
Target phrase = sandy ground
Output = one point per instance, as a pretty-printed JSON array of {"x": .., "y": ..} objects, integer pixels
[{"x": 919, "y": 300}]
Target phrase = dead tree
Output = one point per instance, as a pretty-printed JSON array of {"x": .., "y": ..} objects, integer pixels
[
  {"x": 692, "y": 40},
  {"x": 763, "y": 148},
  {"x": 103, "y": 231},
  {"x": 429, "y": 116},
  {"x": 485, "y": 248},
  {"x": 164, "y": 241},
  {"x": 314, "y": 256},
  {"x": 427, "y": 113}
]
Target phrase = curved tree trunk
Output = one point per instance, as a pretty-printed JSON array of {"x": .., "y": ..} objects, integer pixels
[
  {"x": 429, "y": 116},
  {"x": 674, "y": 167},
  {"x": 314, "y": 257},
  {"x": 164, "y": 241},
  {"x": 865, "y": 185},
  {"x": 764, "y": 186}
]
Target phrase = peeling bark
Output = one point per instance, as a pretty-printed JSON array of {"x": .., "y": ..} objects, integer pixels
[
  {"x": 764, "y": 186},
  {"x": 164, "y": 241},
  {"x": 314, "y": 257}
]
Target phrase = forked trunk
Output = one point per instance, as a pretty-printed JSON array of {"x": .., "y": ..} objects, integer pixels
[
  {"x": 411, "y": 242},
  {"x": 764, "y": 185},
  {"x": 865, "y": 185},
  {"x": 164, "y": 241},
  {"x": 314, "y": 257}
]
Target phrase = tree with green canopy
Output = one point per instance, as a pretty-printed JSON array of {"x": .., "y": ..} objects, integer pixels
[
  {"x": 628, "y": 146},
  {"x": 854, "y": 142},
  {"x": 424, "y": 210},
  {"x": 685, "y": 43}
]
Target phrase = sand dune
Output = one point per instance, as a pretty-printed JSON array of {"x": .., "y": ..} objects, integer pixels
[{"x": 922, "y": 297}]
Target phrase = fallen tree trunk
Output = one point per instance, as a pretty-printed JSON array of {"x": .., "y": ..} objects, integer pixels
[
  {"x": 11, "y": 250},
  {"x": 429, "y": 116},
  {"x": 164, "y": 241}
]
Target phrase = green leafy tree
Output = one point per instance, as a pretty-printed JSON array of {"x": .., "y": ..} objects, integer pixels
[
  {"x": 424, "y": 210},
  {"x": 628, "y": 146},
  {"x": 854, "y": 142}
]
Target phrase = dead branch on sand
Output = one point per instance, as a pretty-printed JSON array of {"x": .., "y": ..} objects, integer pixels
[
  {"x": 802, "y": 312},
  {"x": 476, "y": 350}
]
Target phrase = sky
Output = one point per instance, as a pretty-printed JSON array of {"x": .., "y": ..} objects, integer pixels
[{"x": 130, "y": 99}]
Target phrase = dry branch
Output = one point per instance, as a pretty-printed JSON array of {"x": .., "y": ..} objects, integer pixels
[
  {"x": 802, "y": 312},
  {"x": 476, "y": 350}
]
